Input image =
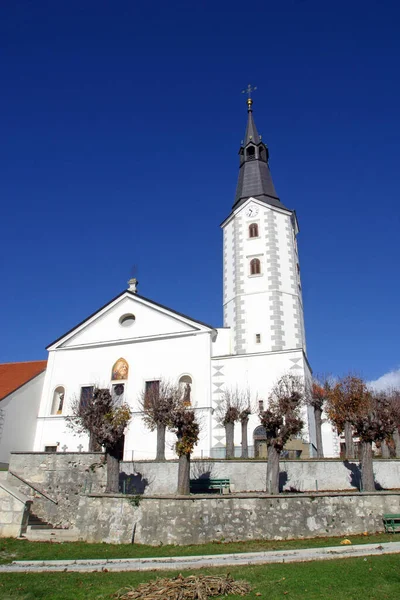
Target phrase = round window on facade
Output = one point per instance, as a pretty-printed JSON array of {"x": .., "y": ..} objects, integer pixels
[{"x": 127, "y": 320}]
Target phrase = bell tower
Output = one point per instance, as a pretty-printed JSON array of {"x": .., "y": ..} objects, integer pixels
[{"x": 262, "y": 297}]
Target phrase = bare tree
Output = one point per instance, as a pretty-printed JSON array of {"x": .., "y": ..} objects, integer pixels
[
  {"x": 281, "y": 421},
  {"x": 385, "y": 449},
  {"x": 234, "y": 407},
  {"x": 394, "y": 400},
  {"x": 105, "y": 420},
  {"x": 158, "y": 403},
  {"x": 186, "y": 428},
  {"x": 373, "y": 423},
  {"x": 346, "y": 399},
  {"x": 316, "y": 398},
  {"x": 244, "y": 421}
]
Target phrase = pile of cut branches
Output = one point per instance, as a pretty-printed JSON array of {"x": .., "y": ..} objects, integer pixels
[{"x": 193, "y": 587}]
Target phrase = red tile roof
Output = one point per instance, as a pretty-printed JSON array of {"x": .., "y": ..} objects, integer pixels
[{"x": 14, "y": 375}]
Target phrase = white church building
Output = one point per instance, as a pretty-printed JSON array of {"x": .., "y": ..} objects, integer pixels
[{"x": 133, "y": 341}]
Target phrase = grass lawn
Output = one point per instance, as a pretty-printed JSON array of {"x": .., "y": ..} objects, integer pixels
[
  {"x": 374, "y": 578},
  {"x": 12, "y": 549}
]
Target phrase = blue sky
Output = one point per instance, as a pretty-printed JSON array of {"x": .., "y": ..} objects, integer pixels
[{"x": 120, "y": 126}]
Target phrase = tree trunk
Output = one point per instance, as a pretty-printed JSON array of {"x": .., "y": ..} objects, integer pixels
[
  {"x": 94, "y": 446},
  {"x": 230, "y": 444},
  {"x": 348, "y": 437},
  {"x": 245, "y": 445},
  {"x": 318, "y": 432},
  {"x": 273, "y": 470},
  {"x": 160, "y": 442},
  {"x": 385, "y": 449},
  {"x": 184, "y": 475},
  {"x": 396, "y": 438},
  {"x": 112, "y": 486},
  {"x": 367, "y": 471}
]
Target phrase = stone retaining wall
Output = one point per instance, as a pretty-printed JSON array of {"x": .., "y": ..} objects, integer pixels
[
  {"x": 228, "y": 518},
  {"x": 151, "y": 478},
  {"x": 66, "y": 478},
  {"x": 14, "y": 510},
  {"x": 63, "y": 477}
]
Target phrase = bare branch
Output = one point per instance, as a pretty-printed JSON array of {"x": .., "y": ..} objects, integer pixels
[
  {"x": 235, "y": 406},
  {"x": 101, "y": 416},
  {"x": 282, "y": 418},
  {"x": 159, "y": 402},
  {"x": 346, "y": 399},
  {"x": 375, "y": 420}
]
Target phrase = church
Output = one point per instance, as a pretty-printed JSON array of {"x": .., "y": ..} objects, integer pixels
[{"x": 133, "y": 342}]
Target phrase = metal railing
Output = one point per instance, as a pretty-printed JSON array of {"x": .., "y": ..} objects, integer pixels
[{"x": 34, "y": 487}]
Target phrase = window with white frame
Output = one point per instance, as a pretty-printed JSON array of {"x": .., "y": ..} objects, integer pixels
[
  {"x": 86, "y": 395},
  {"x": 253, "y": 230},
  {"x": 255, "y": 266},
  {"x": 117, "y": 393},
  {"x": 50, "y": 448},
  {"x": 151, "y": 392}
]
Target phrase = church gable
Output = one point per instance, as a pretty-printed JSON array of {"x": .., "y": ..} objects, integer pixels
[{"x": 128, "y": 317}]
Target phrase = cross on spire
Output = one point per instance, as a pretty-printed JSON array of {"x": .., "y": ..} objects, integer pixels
[{"x": 249, "y": 90}]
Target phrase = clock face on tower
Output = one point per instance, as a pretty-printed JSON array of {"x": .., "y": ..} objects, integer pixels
[{"x": 252, "y": 211}]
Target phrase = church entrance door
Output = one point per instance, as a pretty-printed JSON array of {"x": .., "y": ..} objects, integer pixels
[{"x": 260, "y": 442}]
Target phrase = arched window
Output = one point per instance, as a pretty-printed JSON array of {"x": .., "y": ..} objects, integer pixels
[
  {"x": 185, "y": 383},
  {"x": 120, "y": 370},
  {"x": 251, "y": 153},
  {"x": 260, "y": 433},
  {"x": 261, "y": 153},
  {"x": 253, "y": 230},
  {"x": 260, "y": 442},
  {"x": 58, "y": 400},
  {"x": 255, "y": 266}
]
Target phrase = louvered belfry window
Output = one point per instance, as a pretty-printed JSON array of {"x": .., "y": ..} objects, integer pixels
[{"x": 251, "y": 153}]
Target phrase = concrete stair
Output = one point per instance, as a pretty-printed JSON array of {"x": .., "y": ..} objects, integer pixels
[
  {"x": 41, "y": 531},
  {"x": 36, "y": 522},
  {"x": 52, "y": 535}
]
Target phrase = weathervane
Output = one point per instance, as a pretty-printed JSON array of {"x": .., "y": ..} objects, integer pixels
[{"x": 248, "y": 91}]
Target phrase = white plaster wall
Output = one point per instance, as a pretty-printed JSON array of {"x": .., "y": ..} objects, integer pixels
[
  {"x": 223, "y": 342},
  {"x": 289, "y": 320},
  {"x": 283, "y": 223},
  {"x": 330, "y": 440},
  {"x": 258, "y": 320},
  {"x": 258, "y": 373},
  {"x": 20, "y": 410},
  {"x": 149, "y": 322},
  {"x": 148, "y": 359},
  {"x": 248, "y": 299}
]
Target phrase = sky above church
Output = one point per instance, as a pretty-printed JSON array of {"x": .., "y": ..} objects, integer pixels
[{"x": 120, "y": 126}]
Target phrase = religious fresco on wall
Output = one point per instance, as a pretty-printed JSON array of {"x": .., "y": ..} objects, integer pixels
[{"x": 120, "y": 370}]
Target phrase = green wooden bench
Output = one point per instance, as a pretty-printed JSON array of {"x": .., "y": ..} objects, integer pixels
[
  {"x": 205, "y": 485},
  {"x": 391, "y": 523}
]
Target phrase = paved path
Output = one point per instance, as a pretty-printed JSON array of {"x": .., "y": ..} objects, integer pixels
[{"x": 199, "y": 562}]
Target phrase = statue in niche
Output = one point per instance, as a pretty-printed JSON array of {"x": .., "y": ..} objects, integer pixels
[
  {"x": 186, "y": 395},
  {"x": 120, "y": 370},
  {"x": 60, "y": 403}
]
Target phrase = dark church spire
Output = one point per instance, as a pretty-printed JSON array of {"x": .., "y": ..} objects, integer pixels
[{"x": 254, "y": 175}]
